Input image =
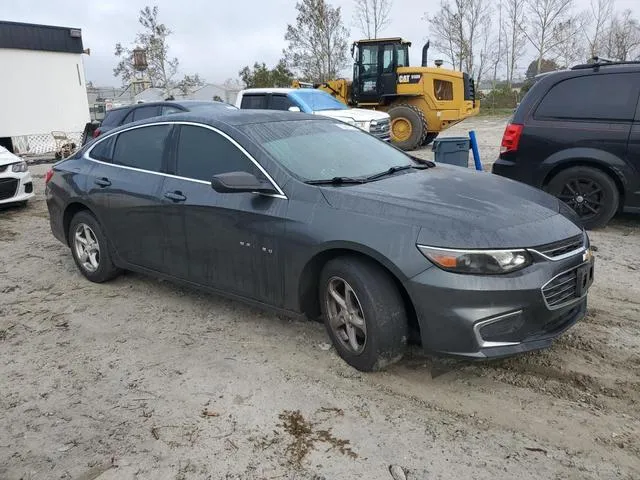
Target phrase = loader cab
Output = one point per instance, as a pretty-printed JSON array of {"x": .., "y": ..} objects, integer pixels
[{"x": 374, "y": 72}]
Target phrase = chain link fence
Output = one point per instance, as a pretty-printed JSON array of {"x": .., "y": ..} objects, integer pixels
[{"x": 42, "y": 144}]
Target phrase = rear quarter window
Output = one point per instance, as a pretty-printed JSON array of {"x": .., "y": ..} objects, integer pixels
[
  {"x": 608, "y": 97},
  {"x": 114, "y": 117},
  {"x": 254, "y": 101}
]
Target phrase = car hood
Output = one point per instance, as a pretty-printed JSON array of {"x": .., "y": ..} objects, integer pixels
[
  {"x": 7, "y": 157},
  {"x": 356, "y": 114},
  {"x": 459, "y": 208}
]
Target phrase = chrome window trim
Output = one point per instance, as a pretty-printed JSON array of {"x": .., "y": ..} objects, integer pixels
[
  {"x": 485, "y": 344},
  {"x": 87, "y": 155}
]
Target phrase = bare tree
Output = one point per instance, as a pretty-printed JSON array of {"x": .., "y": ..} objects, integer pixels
[
  {"x": 372, "y": 16},
  {"x": 461, "y": 30},
  {"x": 622, "y": 39},
  {"x": 516, "y": 40},
  {"x": 596, "y": 23},
  {"x": 153, "y": 39},
  {"x": 543, "y": 19},
  {"x": 446, "y": 29},
  {"x": 317, "y": 42},
  {"x": 570, "y": 45}
]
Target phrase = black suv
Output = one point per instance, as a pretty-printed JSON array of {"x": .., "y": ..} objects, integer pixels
[
  {"x": 576, "y": 134},
  {"x": 132, "y": 113}
]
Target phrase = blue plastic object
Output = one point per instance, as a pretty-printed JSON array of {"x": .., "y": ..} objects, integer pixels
[{"x": 475, "y": 150}]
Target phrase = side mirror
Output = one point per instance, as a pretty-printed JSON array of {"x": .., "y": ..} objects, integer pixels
[
  {"x": 239, "y": 182},
  {"x": 294, "y": 109}
]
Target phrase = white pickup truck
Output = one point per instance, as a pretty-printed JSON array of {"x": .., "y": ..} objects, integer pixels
[{"x": 315, "y": 102}]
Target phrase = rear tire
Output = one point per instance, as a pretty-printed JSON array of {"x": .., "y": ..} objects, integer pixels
[
  {"x": 431, "y": 136},
  {"x": 91, "y": 249},
  {"x": 590, "y": 192},
  {"x": 408, "y": 126},
  {"x": 370, "y": 330}
]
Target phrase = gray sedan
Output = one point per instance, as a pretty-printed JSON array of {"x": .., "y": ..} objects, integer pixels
[{"x": 313, "y": 216}]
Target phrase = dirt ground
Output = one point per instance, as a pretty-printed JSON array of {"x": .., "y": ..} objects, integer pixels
[{"x": 140, "y": 379}]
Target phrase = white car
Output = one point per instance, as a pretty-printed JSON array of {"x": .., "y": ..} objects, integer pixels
[
  {"x": 317, "y": 102},
  {"x": 16, "y": 185}
]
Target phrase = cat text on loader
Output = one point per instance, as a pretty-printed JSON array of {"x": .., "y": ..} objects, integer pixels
[{"x": 421, "y": 101}]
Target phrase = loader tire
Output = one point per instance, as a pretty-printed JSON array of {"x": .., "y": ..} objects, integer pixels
[
  {"x": 408, "y": 126},
  {"x": 429, "y": 137}
]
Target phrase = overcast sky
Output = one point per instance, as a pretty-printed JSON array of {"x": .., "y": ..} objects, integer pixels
[{"x": 214, "y": 38}]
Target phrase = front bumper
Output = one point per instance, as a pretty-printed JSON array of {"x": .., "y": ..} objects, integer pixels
[
  {"x": 496, "y": 316},
  {"x": 15, "y": 187}
]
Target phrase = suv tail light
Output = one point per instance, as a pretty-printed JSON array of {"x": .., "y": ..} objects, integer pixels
[
  {"x": 96, "y": 133},
  {"x": 48, "y": 176},
  {"x": 511, "y": 138}
]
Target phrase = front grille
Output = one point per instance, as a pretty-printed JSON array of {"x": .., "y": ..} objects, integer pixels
[
  {"x": 556, "y": 249},
  {"x": 8, "y": 187},
  {"x": 382, "y": 129},
  {"x": 561, "y": 289},
  {"x": 3, "y": 168}
]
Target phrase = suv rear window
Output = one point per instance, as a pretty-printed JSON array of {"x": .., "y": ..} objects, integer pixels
[
  {"x": 114, "y": 117},
  {"x": 607, "y": 97}
]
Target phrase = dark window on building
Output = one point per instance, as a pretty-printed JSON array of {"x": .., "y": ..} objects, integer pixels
[
  {"x": 594, "y": 97},
  {"x": 203, "y": 153},
  {"x": 142, "y": 147},
  {"x": 254, "y": 101}
]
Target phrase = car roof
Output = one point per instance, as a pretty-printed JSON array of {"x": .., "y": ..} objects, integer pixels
[
  {"x": 268, "y": 90},
  {"x": 183, "y": 103},
  {"x": 232, "y": 118}
]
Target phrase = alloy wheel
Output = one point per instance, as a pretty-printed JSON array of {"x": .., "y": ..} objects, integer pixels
[
  {"x": 87, "y": 247},
  {"x": 346, "y": 318},
  {"x": 584, "y": 195}
]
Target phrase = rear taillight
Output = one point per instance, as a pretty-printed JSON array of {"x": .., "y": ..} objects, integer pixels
[
  {"x": 48, "y": 176},
  {"x": 96, "y": 133},
  {"x": 511, "y": 138}
]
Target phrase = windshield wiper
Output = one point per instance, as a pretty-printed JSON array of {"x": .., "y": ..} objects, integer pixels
[
  {"x": 336, "y": 181},
  {"x": 395, "y": 169}
]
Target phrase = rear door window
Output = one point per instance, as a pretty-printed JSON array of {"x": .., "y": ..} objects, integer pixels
[
  {"x": 603, "y": 97},
  {"x": 281, "y": 102},
  {"x": 142, "y": 148},
  {"x": 170, "y": 109},
  {"x": 254, "y": 101},
  {"x": 203, "y": 153},
  {"x": 141, "y": 113}
]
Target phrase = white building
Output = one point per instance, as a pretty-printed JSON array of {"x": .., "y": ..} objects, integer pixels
[{"x": 42, "y": 86}]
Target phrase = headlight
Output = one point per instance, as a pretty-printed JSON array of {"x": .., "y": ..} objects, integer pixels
[
  {"x": 19, "y": 167},
  {"x": 479, "y": 262},
  {"x": 363, "y": 125}
]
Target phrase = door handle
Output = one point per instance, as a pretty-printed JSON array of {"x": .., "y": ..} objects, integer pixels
[
  {"x": 103, "y": 182},
  {"x": 175, "y": 196}
]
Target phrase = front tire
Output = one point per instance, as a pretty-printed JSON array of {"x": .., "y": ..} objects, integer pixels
[
  {"x": 590, "y": 192},
  {"x": 90, "y": 248},
  {"x": 408, "y": 126},
  {"x": 363, "y": 312}
]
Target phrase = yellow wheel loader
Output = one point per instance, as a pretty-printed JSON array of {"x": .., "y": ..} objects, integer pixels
[{"x": 421, "y": 101}]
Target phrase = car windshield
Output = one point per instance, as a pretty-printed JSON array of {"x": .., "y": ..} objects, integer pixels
[
  {"x": 317, "y": 100},
  {"x": 314, "y": 150}
]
